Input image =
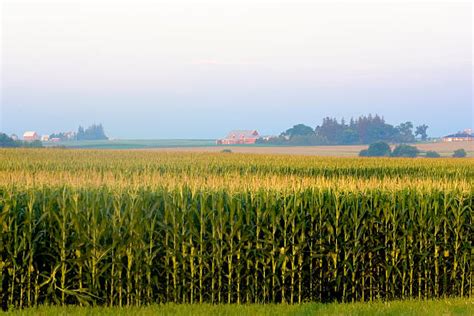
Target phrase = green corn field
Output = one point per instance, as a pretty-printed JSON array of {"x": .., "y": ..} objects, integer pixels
[{"x": 132, "y": 228}]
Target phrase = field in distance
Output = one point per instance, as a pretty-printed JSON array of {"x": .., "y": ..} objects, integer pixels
[
  {"x": 209, "y": 145},
  {"x": 444, "y": 149},
  {"x": 134, "y": 143}
]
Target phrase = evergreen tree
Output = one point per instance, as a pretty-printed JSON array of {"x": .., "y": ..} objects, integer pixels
[{"x": 93, "y": 132}]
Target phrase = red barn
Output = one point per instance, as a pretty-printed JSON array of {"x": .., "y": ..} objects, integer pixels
[
  {"x": 240, "y": 137},
  {"x": 30, "y": 136}
]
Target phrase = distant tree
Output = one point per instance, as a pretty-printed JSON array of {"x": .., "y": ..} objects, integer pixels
[
  {"x": 6, "y": 141},
  {"x": 421, "y": 131},
  {"x": 298, "y": 130},
  {"x": 405, "y": 131},
  {"x": 331, "y": 130},
  {"x": 379, "y": 149},
  {"x": 373, "y": 129},
  {"x": 349, "y": 137},
  {"x": 432, "y": 154},
  {"x": 93, "y": 132},
  {"x": 364, "y": 153},
  {"x": 459, "y": 153},
  {"x": 405, "y": 151},
  {"x": 81, "y": 134},
  {"x": 63, "y": 136},
  {"x": 306, "y": 140},
  {"x": 363, "y": 130}
]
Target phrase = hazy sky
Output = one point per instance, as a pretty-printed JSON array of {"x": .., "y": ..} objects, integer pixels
[{"x": 195, "y": 69}]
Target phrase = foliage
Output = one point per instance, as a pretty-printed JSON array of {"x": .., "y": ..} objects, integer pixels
[
  {"x": 298, "y": 130},
  {"x": 331, "y": 130},
  {"x": 432, "y": 154},
  {"x": 459, "y": 153},
  {"x": 364, "y": 153},
  {"x": 297, "y": 140},
  {"x": 379, "y": 149},
  {"x": 363, "y": 130},
  {"x": 406, "y": 151},
  {"x": 135, "y": 228},
  {"x": 64, "y": 136},
  {"x": 421, "y": 131},
  {"x": 405, "y": 133},
  {"x": 7, "y": 141},
  {"x": 93, "y": 132}
]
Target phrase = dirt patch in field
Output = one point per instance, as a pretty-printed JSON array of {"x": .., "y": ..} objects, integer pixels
[{"x": 447, "y": 148}]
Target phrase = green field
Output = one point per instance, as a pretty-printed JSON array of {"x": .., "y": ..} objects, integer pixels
[
  {"x": 134, "y": 143},
  {"x": 408, "y": 308},
  {"x": 209, "y": 145},
  {"x": 135, "y": 228}
]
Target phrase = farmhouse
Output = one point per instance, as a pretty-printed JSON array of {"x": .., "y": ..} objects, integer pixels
[
  {"x": 466, "y": 135},
  {"x": 30, "y": 136},
  {"x": 240, "y": 137}
]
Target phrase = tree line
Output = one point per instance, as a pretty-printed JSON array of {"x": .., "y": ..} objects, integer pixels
[
  {"x": 382, "y": 149},
  {"x": 8, "y": 142},
  {"x": 363, "y": 130},
  {"x": 93, "y": 132}
]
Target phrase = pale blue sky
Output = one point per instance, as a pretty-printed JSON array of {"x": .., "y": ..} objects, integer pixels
[{"x": 196, "y": 69}]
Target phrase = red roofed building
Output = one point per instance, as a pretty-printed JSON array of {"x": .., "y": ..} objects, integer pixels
[
  {"x": 239, "y": 137},
  {"x": 30, "y": 136}
]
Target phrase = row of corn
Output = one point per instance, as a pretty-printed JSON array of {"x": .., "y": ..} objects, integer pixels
[{"x": 121, "y": 246}]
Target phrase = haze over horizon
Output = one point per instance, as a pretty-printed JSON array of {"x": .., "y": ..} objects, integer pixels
[{"x": 186, "y": 69}]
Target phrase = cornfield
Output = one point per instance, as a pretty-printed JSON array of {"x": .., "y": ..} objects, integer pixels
[{"x": 122, "y": 228}]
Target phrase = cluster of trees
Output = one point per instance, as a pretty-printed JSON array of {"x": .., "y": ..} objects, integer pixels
[
  {"x": 363, "y": 130},
  {"x": 459, "y": 153},
  {"x": 63, "y": 136},
  {"x": 93, "y": 132},
  {"x": 382, "y": 149},
  {"x": 8, "y": 142}
]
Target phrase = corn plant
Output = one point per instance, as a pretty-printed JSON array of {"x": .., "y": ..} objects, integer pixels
[{"x": 136, "y": 228}]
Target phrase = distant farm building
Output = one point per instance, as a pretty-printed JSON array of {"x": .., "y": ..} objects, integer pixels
[
  {"x": 30, "y": 136},
  {"x": 240, "y": 137},
  {"x": 464, "y": 136},
  {"x": 70, "y": 135},
  {"x": 45, "y": 138}
]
